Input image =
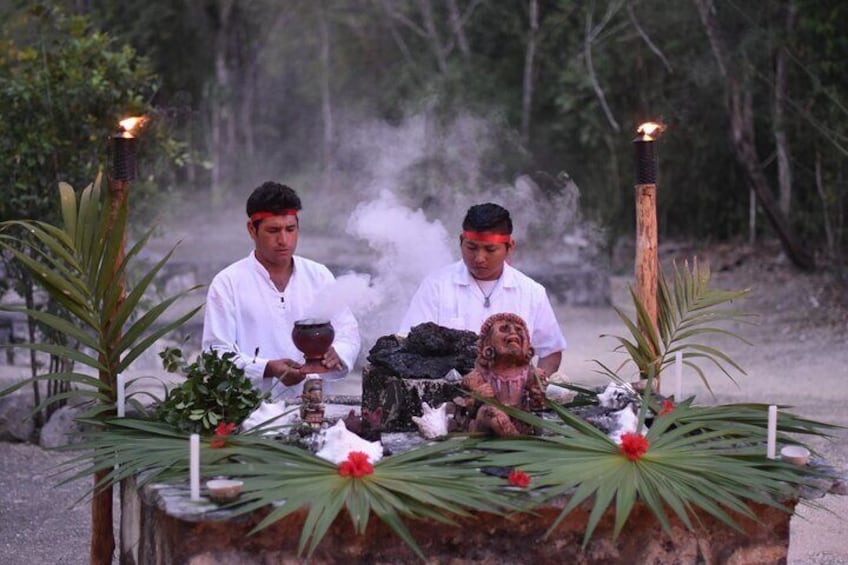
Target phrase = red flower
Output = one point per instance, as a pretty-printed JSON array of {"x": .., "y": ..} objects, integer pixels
[
  {"x": 667, "y": 407},
  {"x": 356, "y": 465},
  {"x": 633, "y": 446},
  {"x": 519, "y": 479},
  {"x": 223, "y": 430}
]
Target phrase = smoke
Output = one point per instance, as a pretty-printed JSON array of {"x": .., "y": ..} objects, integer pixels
[
  {"x": 409, "y": 185},
  {"x": 353, "y": 290},
  {"x": 390, "y": 210},
  {"x": 408, "y": 247}
]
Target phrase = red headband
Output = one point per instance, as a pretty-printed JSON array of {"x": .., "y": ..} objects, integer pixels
[
  {"x": 487, "y": 237},
  {"x": 256, "y": 216}
]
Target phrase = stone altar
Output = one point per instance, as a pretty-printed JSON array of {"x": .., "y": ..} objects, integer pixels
[{"x": 171, "y": 530}]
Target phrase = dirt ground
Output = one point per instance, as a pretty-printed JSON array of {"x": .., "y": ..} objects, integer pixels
[{"x": 797, "y": 357}]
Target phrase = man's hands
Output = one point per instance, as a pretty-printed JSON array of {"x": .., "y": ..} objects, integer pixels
[
  {"x": 286, "y": 370},
  {"x": 332, "y": 360},
  {"x": 291, "y": 372}
]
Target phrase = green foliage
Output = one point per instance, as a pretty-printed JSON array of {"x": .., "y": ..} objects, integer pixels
[
  {"x": 63, "y": 88},
  {"x": 79, "y": 265},
  {"x": 697, "y": 460},
  {"x": 436, "y": 481},
  {"x": 215, "y": 391},
  {"x": 686, "y": 313}
]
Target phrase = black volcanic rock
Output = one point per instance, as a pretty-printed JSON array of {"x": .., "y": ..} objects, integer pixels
[{"x": 429, "y": 352}]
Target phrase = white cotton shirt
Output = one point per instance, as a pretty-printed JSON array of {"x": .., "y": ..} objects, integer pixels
[
  {"x": 451, "y": 298},
  {"x": 245, "y": 313}
]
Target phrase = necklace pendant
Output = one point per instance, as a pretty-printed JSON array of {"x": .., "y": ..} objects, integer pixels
[{"x": 486, "y": 302}]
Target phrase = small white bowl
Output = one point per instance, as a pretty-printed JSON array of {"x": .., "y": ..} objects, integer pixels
[
  {"x": 795, "y": 454},
  {"x": 224, "y": 490}
]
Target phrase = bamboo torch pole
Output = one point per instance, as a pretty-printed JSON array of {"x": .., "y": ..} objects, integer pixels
[
  {"x": 122, "y": 173},
  {"x": 647, "y": 262}
]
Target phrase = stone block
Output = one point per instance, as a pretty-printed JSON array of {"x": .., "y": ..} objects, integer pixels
[
  {"x": 171, "y": 531},
  {"x": 401, "y": 398}
]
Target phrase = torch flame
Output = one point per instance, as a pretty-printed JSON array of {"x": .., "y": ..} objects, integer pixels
[
  {"x": 647, "y": 130},
  {"x": 129, "y": 124}
]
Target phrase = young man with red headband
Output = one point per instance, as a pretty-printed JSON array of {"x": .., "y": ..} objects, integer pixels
[
  {"x": 252, "y": 305},
  {"x": 464, "y": 294}
]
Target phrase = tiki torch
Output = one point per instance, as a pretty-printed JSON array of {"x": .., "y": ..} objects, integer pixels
[
  {"x": 124, "y": 149},
  {"x": 124, "y": 145},
  {"x": 646, "y": 218},
  {"x": 122, "y": 173}
]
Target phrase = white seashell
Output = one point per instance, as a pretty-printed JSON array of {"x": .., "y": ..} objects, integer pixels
[
  {"x": 267, "y": 411},
  {"x": 626, "y": 423},
  {"x": 453, "y": 376},
  {"x": 558, "y": 394},
  {"x": 559, "y": 378},
  {"x": 337, "y": 442},
  {"x": 617, "y": 396},
  {"x": 433, "y": 422}
]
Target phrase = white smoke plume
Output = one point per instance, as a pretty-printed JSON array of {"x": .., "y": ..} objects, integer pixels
[{"x": 407, "y": 248}]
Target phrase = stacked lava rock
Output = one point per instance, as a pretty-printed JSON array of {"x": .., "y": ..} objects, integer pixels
[{"x": 426, "y": 366}]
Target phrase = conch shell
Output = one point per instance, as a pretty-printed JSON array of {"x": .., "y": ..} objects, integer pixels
[
  {"x": 433, "y": 422},
  {"x": 338, "y": 442},
  {"x": 278, "y": 411}
]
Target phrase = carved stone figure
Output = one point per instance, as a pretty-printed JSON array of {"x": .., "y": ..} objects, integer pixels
[
  {"x": 503, "y": 371},
  {"x": 312, "y": 401}
]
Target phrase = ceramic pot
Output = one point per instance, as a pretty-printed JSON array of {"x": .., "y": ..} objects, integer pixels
[{"x": 313, "y": 337}]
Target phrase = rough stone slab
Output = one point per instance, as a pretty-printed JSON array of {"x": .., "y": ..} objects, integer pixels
[
  {"x": 401, "y": 398},
  {"x": 16, "y": 422}
]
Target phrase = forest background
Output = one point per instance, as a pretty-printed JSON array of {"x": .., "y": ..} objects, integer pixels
[{"x": 750, "y": 94}]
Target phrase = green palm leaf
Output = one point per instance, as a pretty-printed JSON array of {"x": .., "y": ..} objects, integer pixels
[
  {"x": 700, "y": 459},
  {"x": 687, "y": 311},
  {"x": 76, "y": 266}
]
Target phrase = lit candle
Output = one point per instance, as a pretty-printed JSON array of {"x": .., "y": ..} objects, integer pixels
[
  {"x": 194, "y": 466},
  {"x": 771, "y": 449},
  {"x": 678, "y": 376},
  {"x": 121, "y": 401}
]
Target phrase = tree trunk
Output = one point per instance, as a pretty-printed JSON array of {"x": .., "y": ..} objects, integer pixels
[
  {"x": 222, "y": 107},
  {"x": 457, "y": 28},
  {"x": 529, "y": 63},
  {"x": 739, "y": 106},
  {"x": 781, "y": 140},
  {"x": 828, "y": 224},
  {"x": 29, "y": 300},
  {"x": 326, "y": 100},
  {"x": 433, "y": 35},
  {"x": 745, "y": 149},
  {"x": 102, "y": 529}
]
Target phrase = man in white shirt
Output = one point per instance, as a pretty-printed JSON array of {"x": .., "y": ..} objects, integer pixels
[
  {"x": 464, "y": 294},
  {"x": 252, "y": 305}
]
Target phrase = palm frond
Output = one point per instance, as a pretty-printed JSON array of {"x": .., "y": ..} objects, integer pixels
[
  {"x": 686, "y": 312},
  {"x": 709, "y": 460},
  {"x": 78, "y": 266}
]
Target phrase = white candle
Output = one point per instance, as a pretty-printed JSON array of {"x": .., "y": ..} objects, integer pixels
[
  {"x": 121, "y": 401},
  {"x": 771, "y": 449},
  {"x": 678, "y": 376},
  {"x": 194, "y": 466}
]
